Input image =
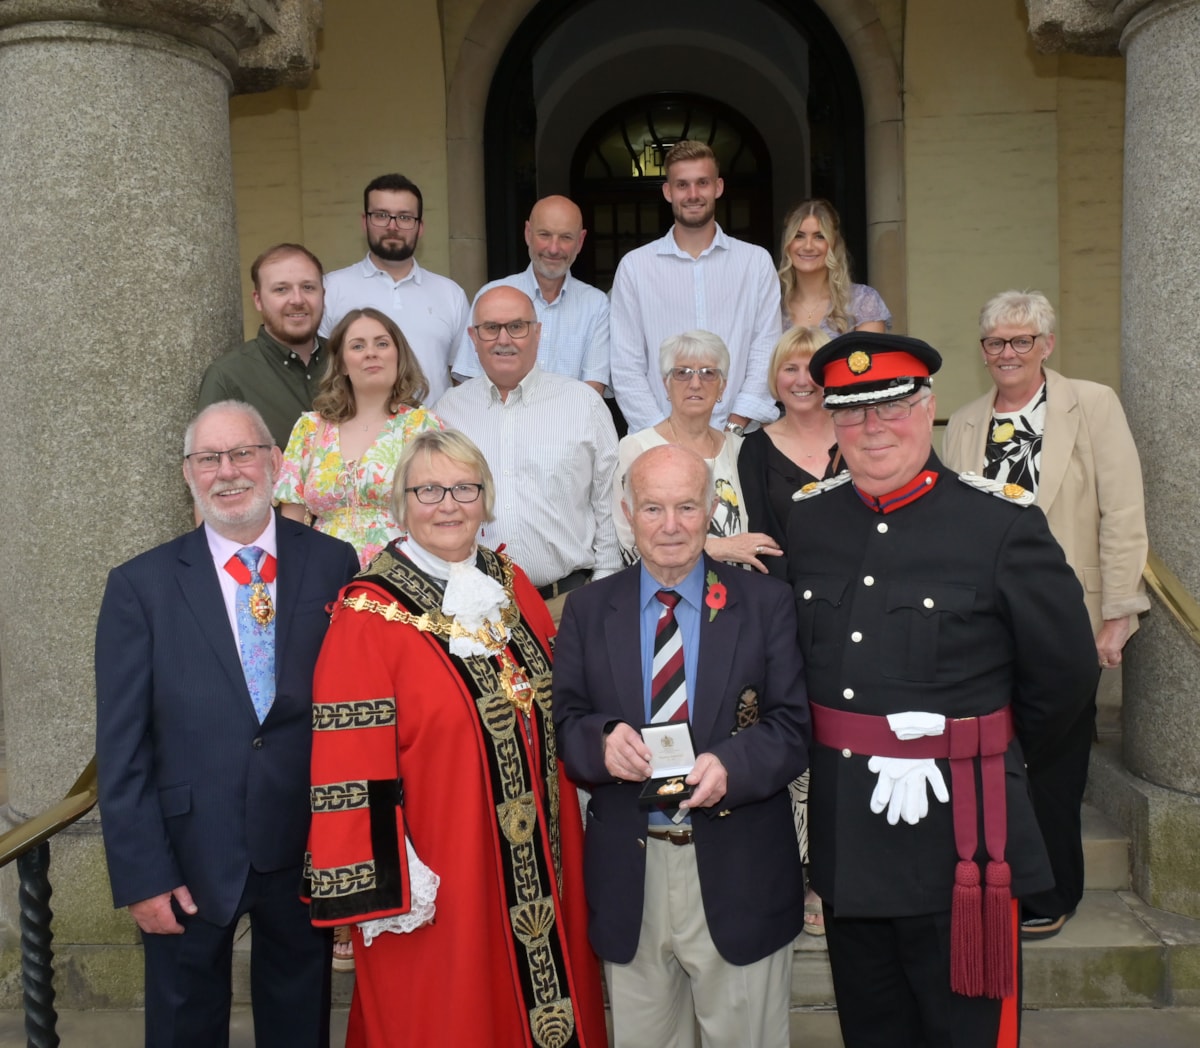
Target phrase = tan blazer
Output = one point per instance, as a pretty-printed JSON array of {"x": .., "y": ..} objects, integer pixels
[{"x": 1090, "y": 488}]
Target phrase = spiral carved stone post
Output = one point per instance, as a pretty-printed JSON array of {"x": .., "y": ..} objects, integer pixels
[{"x": 37, "y": 953}]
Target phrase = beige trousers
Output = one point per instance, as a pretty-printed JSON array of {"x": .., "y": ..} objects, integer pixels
[{"x": 678, "y": 981}]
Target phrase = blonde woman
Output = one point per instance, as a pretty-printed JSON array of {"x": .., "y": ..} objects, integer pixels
[{"x": 814, "y": 274}]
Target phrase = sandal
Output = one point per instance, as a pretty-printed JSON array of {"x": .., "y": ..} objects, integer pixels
[
  {"x": 343, "y": 949},
  {"x": 814, "y": 914}
]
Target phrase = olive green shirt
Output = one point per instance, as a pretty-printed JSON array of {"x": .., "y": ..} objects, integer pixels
[{"x": 269, "y": 377}]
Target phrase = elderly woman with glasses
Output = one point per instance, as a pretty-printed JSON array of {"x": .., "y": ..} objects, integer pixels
[
  {"x": 337, "y": 469},
  {"x": 1067, "y": 441},
  {"x": 443, "y": 825},
  {"x": 694, "y": 366}
]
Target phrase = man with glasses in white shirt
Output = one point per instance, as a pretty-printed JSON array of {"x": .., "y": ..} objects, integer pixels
[
  {"x": 430, "y": 309},
  {"x": 551, "y": 446}
]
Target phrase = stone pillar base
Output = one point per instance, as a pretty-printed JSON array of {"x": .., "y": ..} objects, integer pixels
[{"x": 1163, "y": 827}]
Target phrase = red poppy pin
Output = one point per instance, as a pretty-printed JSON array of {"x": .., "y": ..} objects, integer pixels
[{"x": 714, "y": 596}]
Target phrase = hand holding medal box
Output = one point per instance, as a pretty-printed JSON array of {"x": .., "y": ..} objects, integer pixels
[{"x": 672, "y": 756}]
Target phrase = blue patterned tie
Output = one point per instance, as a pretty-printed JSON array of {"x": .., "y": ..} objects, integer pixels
[{"x": 256, "y": 638}]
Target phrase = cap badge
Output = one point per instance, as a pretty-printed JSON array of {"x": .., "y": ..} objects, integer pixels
[{"x": 858, "y": 362}]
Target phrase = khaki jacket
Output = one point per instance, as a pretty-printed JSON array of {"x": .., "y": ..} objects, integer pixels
[{"x": 1090, "y": 488}]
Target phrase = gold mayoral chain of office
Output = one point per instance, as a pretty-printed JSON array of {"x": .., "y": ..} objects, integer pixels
[{"x": 493, "y": 636}]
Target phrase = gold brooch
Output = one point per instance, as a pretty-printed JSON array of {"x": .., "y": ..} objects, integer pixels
[
  {"x": 858, "y": 362},
  {"x": 1002, "y": 432}
]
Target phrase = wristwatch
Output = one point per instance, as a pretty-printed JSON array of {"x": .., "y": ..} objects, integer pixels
[{"x": 735, "y": 429}]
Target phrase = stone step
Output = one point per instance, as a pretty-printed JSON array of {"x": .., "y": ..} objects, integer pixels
[
  {"x": 1115, "y": 952},
  {"x": 1106, "y": 859}
]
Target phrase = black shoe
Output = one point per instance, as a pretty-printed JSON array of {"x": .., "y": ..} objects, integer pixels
[{"x": 1033, "y": 928}]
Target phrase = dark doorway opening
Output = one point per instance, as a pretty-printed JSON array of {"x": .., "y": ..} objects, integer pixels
[{"x": 835, "y": 158}]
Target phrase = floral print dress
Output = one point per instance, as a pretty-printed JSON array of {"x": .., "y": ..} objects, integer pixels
[{"x": 349, "y": 500}]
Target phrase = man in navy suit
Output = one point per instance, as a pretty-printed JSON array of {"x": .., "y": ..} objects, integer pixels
[
  {"x": 693, "y": 910},
  {"x": 205, "y": 648}
]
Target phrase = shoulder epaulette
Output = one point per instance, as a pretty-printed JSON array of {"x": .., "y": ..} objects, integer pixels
[
  {"x": 818, "y": 487},
  {"x": 1009, "y": 492}
]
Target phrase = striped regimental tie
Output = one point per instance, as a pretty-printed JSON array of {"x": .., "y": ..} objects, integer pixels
[{"x": 668, "y": 690}]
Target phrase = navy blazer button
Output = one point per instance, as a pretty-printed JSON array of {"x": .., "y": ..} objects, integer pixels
[
  {"x": 257, "y": 744},
  {"x": 641, "y": 843}
]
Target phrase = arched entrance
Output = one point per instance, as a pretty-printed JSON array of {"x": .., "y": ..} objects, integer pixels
[
  {"x": 780, "y": 70},
  {"x": 486, "y": 46}
]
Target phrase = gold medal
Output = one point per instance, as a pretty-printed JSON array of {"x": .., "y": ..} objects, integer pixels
[
  {"x": 260, "y": 604},
  {"x": 1002, "y": 432},
  {"x": 671, "y": 786}
]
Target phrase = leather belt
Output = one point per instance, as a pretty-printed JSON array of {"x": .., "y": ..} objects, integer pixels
[
  {"x": 980, "y": 937},
  {"x": 680, "y": 837},
  {"x": 565, "y": 584}
]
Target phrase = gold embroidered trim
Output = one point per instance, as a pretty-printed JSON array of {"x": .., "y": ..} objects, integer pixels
[
  {"x": 363, "y": 713},
  {"x": 338, "y": 796},
  {"x": 340, "y": 881}
]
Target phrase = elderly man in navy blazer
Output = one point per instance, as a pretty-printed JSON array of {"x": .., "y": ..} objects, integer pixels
[
  {"x": 205, "y": 649},
  {"x": 694, "y": 908}
]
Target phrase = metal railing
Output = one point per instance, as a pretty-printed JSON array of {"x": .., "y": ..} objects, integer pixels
[
  {"x": 1174, "y": 595},
  {"x": 29, "y": 845}
]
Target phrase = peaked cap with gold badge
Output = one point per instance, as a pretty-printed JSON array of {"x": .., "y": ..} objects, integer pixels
[{"x": 869, "y": 367}]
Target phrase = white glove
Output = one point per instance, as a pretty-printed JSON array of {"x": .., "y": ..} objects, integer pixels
[
  {"x": 914, "y": 725},
  {"x": 901, "y": 787}
]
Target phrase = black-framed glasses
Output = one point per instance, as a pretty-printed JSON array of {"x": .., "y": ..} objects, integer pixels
[
  {"x": 888, "y": 411},
  {"x": 383, "y": 219},
  {"x": 684, "y": 375},
  {"x": 1022, "y": 344},
  {"x": 432, "y": 494},
  {"x": 489, "y": 330},
  {"x": 210, "y": 461}
]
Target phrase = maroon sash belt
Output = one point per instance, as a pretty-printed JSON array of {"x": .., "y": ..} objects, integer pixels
[{"x": 980, "y": 935}]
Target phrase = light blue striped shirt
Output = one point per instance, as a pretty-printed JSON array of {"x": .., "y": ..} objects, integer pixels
[
  {"x": 574, "y": 329},
  {"x": 732, "y": 290}
]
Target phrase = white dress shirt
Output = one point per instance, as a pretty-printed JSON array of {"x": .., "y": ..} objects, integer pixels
[
  {"x": 431, "y": 310},
  {"x": 732, "y": 290},
  {"x": 552, "y": 449},
  {"x": 574, "y": 339}
]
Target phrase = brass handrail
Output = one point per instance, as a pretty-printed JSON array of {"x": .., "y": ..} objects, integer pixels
[
  {"x": 80, "y": 799},
  {"x": 1174, "y": 595}
]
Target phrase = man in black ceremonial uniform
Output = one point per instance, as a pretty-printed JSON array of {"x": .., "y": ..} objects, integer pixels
[{"x": 946, "y": 644}]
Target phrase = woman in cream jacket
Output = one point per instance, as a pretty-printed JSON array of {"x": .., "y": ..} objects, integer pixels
[{"x": 1066, "y": 440}]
